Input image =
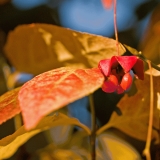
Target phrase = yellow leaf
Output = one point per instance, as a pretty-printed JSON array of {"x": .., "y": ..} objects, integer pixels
[
  {"x": 154, "y": 71},
  {"x": 60, "y": 154},
  {"x": 11, "y": 143},
  {"x": 45, "y": 47},
  {"x": 135, "y": 112}
]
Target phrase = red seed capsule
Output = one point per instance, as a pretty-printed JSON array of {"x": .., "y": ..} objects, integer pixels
[
  {"x": 126, "y": 81},
  {"x": 110, "y": 85},
  {"x": 120, "y": 89}
]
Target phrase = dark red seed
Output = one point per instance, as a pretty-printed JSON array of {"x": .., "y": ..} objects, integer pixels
[{"x": 126, "y": 81}]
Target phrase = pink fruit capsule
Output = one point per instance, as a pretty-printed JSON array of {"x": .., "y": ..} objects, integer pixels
[
  {"x": 120, "y": 89},
  {"x": 110, "y": 85},
  {"x": 126, "y": 81}
]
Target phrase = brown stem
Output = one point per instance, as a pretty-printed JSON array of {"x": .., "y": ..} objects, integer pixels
[
  {"x": 17, "y": 121},
  {"x": 158, "y": 107},
  {"x": 146, "y": 151},
  {"x": 93, "y": 133},
  {"x": 115, "y": 25},
  {"x": 141, "y": 56}
]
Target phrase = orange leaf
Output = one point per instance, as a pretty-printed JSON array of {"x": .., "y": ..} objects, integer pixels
[
  {"x": 9, "y": 106},
  {"x": 54, "y": 89}
]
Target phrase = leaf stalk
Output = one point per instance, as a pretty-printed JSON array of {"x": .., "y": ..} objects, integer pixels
[
  {"x": 115, "y": 25},
  {"x": 93, "y": 133},
  {"x": 146, "y": 151}
]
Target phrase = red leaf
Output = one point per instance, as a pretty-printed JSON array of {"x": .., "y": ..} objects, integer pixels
[
  {"x": 9, "y": 105},
  {"x": 54, "y": 89}
]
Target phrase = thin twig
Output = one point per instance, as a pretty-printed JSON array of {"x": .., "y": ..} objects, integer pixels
[
  {"x": 141, "y": 56},
  {"x": 146, "y": 151},
  {"x": 158, "y": 107},
  {"x": 93, "y": 133},
  {"x": 48, "y": 137},
  {"x": 115, "y": 25}
]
